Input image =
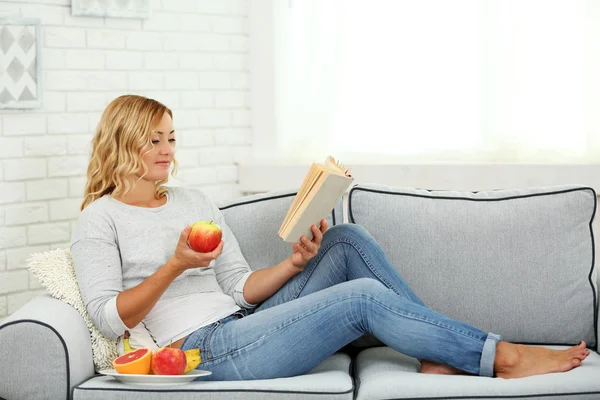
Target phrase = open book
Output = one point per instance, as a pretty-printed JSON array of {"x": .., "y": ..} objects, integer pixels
[{"x": 323, "y": 186}]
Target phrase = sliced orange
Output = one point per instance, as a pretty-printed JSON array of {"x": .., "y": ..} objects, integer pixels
[{"x": 134, "y": 362}]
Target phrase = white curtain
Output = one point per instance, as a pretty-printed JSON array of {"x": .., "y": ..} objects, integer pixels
[{"x": 426, "y": 81}]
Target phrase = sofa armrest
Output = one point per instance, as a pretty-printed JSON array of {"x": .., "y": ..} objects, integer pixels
[
  {"x": 596, "y": 275},
  {"x": 46, "y": 351}
]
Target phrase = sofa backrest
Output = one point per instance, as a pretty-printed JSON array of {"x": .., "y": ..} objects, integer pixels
[
  {"x": 519, "y": 263},
  {"x": 255, "y": 221}
]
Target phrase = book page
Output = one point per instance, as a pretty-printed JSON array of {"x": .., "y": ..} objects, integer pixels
[
  {"x": 307, "y": 184},
  {"x": 336, "y": 166},
  {"x": 330, "y": 165},
  {"x": 300, "y": 204},
  {"x": 317, "y": 205},
  {"x": 311, "y": 178}
]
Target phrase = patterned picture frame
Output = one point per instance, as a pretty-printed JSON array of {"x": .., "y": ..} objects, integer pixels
[
  {"x": 20, "y": 73},
  {"x": 139, "y": 9}
]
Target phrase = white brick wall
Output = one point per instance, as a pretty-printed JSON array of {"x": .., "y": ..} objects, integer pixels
[{"x": 190, "y": 54}]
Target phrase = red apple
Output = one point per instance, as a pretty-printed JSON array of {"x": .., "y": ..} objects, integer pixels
[
  {"x": 168, "y": 361},
  {"x": 205, "y": 236}
]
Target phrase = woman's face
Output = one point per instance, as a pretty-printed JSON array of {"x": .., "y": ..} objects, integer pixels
[{"x": 158, "y": 158}]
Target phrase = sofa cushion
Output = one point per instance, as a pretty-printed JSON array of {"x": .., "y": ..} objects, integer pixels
[
  {"x": 255, "y": 221},
  {"x": 383, "y": 373},
  {"x": 55, "y": 271},
  {"x": 517, "y": 262},
  {"x": 329, "y": 380}
]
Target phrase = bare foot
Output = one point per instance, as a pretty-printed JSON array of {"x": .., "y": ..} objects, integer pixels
[
  {"x": 430, "y": 367},
  {"x": 518, "y": 361}
]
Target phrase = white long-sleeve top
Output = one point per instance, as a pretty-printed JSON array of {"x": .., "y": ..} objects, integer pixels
[{"x": 115, "y": 246}]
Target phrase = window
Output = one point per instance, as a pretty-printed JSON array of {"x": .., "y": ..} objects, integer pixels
[{"x": 427, "y": 81}]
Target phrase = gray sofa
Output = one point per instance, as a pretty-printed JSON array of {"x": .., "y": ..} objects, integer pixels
[{"x": 519, "y": 263}]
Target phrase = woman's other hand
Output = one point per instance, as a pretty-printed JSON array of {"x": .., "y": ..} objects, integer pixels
[
  {"x": 185, "y": 257},
  {"x": 304, "y": 251}
]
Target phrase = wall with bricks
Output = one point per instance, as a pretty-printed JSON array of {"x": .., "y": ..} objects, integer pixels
[{"x": 190, "y": 55}]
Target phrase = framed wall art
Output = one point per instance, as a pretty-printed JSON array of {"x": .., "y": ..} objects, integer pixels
[
  {"x": 20, "y": 77},
  {"x": 111, "y": 8}
]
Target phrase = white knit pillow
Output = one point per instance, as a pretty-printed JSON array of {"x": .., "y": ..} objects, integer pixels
[{"x": 55, "y": 271}]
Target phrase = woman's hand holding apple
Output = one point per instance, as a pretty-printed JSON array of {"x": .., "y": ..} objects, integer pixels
[
  {"x": 304, "y": 251},
  {"x": 185, "y": 257}
]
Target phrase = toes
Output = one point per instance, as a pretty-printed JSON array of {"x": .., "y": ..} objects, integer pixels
[
  {"x": 586, "y": 353},
  {"x": 580, "y": 348},
  {"x": 575, "y": 362}
]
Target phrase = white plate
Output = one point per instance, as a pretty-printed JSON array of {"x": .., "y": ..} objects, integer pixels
[{"x": 155, "y": 379}]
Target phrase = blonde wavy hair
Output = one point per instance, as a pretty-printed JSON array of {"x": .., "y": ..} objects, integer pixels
[{"x": 124, "y": 130}]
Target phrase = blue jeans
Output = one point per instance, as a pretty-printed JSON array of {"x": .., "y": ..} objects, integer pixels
[{"x": 349, "y": 289}]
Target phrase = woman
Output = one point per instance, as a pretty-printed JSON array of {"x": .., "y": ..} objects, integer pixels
[{"x": 135, "y": 268}]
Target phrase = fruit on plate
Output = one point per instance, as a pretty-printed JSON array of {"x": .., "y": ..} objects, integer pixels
[
  {"x": 134, "y": 362},
  {"x": 168, "y": 361},
  {"x": 192, "y": 356},
  {"x": 192, "y": 359},
  {"x": 126, "y": 346},
  {"x": 204, "y": 236}
]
